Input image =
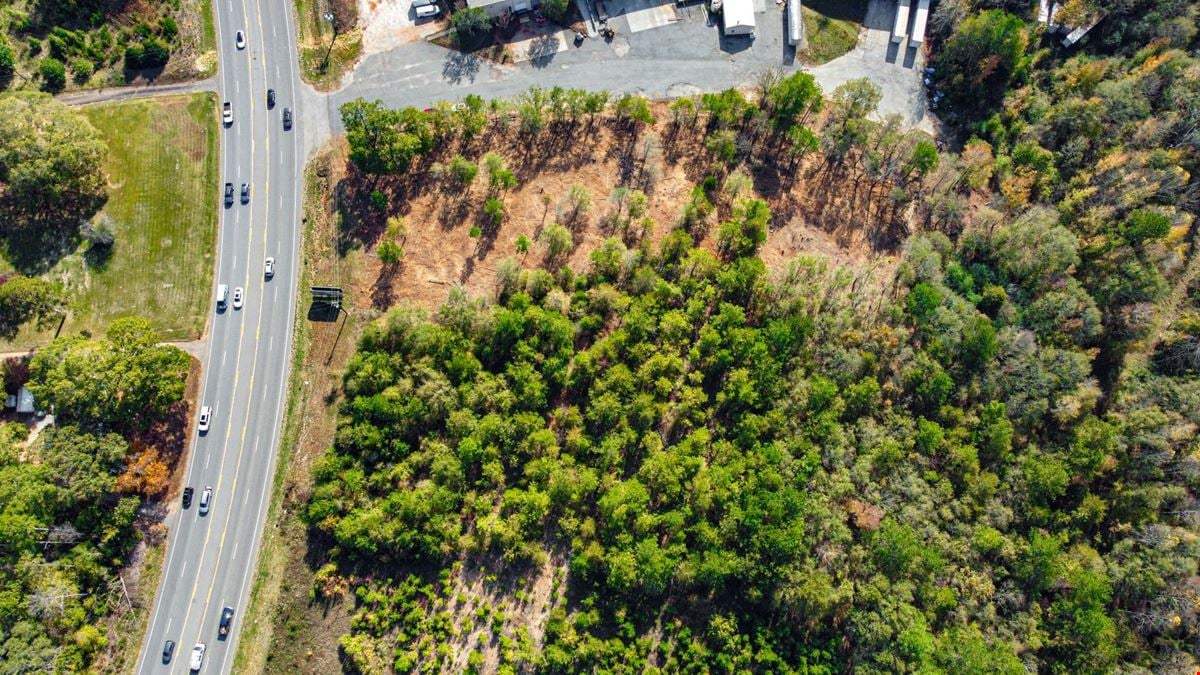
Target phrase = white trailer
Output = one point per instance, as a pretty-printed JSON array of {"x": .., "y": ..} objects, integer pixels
[
  {"x": 900, "y": 28},
  {"x": 739, "y": 17},
  {"x": 919, "y": 19},
  {"x": 795, "y": 23}
]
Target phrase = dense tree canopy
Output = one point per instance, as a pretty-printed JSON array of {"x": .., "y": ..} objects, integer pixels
[
  {"x": 50, "y": 161},
  {"x": 67, "y": 510},
  {"x": 755, "y": 472},
  {"x": 123, "y": 379}
]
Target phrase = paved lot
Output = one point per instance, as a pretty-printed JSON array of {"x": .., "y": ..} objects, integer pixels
[{"x": 683, "y": 57}]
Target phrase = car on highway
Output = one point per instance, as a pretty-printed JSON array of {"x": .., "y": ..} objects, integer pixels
[
  {"x": 240, "y": 39},
  {"x": 187, "y": 497},
  {"x": 269, "y": 270},
  {"x": 205, "y": 418},
  {"x": 426, "y": 11},
  {"x": 287, "y": 118},
  {"x": 197, "y": 659},
  {"x": 168, "y": 650},
  {"x": 206, "y": 500},
  {"x": 227, "y": 113},
  {"x": 245, "y": 193},
  {"x": 226, "y": 619},
  {"x": 237, "y": 298},
  {"x": 270, "y": 98},
  {"x": 228, "y": 195}
]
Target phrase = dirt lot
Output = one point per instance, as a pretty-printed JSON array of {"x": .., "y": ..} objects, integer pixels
[{"x": 288, "y": 630}]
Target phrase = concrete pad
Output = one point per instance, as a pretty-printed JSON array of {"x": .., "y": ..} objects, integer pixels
[
  {"x": 391, "y": 23},
  {"x": 642, "y": 14},
  {"x": 541, "y": 48}
]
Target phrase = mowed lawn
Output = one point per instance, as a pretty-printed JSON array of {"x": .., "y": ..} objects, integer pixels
[
  {"x": 162, "y": 200},
  {"x": 831, "y": 27}
]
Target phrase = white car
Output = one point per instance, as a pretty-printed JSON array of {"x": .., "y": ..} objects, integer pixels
[
  {"x": 270, "y": 268},
  {"x": 227, "y": 113},
  {"x": 205, "y": 418},
  {"x": 240, "y": 39},
  {"x": 237, "y": 298},
  {"x": 205, "y": 500},
  {"x": 425, "y": 11},
  {"x": 197, "y": 659}
]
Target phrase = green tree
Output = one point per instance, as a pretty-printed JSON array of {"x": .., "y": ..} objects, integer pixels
[
  {"x": 986, "y": 53},
  {"x": 463, "y": 170},
  {"x": 121, "y": 380},
  {"x": 555, "y": 9},
  {"x": 24, "y": 299},
  {"x": 377, "y": 143},
  {"x": 50, "y": 162},
  {"x": 558, "y": 241},
  {"x": 471, "y": 24},
  {"x": 389, "y": 253},
  {"x": 794, "y": 99}
]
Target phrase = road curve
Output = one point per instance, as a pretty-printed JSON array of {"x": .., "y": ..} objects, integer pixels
[{"x": 210, "y": 559}]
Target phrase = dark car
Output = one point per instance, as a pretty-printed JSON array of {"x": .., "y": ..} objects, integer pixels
[
  {"x": 245, "y": 193},
  {"x": 187, "y": 497},
  {"x": 168, "y": 651},
  {"x": 287, "y": 118},
  {"x": 270, "y": 98},
  {"x": 226, "y": 619},
  {"x": 229, "y": 194}
]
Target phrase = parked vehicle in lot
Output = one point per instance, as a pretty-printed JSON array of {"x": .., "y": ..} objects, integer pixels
[
  {"x": 205, "y": 418},
  {"x": 269, "y": 270},
  {"x": 206, "y": 500},
  {"x": 187, "y": 497},
  {"x": 228, "y": 195},
  {"x": 227, "y": 113},
  {"x": 226, "y": 619},
  {"x": 287, "y": 118},
  {"x": 426, "y": 11},
  {"x": 197, "y": 659},
  {"x": 168, "y": 650},
  {"x": 270, "y": 98},
  {"x": 237, "y": 298}
]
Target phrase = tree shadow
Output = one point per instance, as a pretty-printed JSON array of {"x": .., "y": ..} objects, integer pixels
[
  {"x": 543, "y": 49},
  {"x": 99, "y": 256},
  {"x": 460, "y": 66}
]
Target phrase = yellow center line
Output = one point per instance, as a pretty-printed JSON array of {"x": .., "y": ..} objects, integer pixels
[
  {"x": 234, "y": 391},
  {"x": 262, "y": 295}
]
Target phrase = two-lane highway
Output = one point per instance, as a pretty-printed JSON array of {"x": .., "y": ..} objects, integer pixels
[{"x": 210, "y": 558}]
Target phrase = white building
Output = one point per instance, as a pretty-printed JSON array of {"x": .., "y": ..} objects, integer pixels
[{"x": 739, "y": 17}]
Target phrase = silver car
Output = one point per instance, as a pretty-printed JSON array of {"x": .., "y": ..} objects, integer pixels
[{"x": 206, "y": 500}]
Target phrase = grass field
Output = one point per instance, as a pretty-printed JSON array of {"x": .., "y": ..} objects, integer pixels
[
  {"x": 831, "y": 27},
  {"x": 162, "y": 200}
]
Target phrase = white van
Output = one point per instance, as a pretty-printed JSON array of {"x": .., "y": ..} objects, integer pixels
[{"x": 222, "y": 295}]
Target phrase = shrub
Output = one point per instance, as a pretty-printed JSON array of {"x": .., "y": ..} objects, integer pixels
[
  {"x": 54, "y": 74},
  {"x": 555, "y": 9},
  {"x": 135, "y": 53},
  {"x": 82, "y": 69},
  {"x": 379, "y": 200},
  {"x": 494, "y": 208},
  {"x": 156, "y": 53},
  {"x": 7, "y": 64}
]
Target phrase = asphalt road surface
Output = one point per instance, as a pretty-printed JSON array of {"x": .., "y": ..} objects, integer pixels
[{"x": 210, "y": 559}]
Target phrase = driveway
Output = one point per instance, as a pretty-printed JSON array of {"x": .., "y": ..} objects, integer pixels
[
  {"x": 680, "y": 58},
  {"x": 895, "y": 68}
]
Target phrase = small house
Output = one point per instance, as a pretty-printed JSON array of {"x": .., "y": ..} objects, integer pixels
[
  {"x": 498, "y": 8},
  {"x": 24, "y": 402}
]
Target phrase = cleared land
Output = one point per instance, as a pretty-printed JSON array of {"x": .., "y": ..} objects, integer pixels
[
  {"x": 831, "y": 27},
  {"x": 162, "y": 176}
]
